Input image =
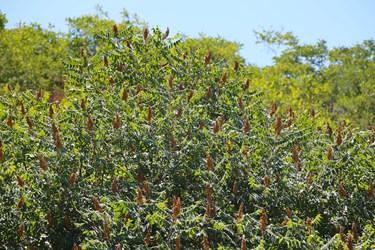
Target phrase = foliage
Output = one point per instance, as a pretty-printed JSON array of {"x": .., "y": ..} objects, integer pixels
[{"x": 156, "y": 146}]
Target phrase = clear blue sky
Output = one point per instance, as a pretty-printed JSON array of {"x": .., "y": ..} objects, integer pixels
[{"x": 339, "y": 22}]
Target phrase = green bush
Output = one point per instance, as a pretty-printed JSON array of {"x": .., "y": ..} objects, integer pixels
[{"x": 157, "y": 147}]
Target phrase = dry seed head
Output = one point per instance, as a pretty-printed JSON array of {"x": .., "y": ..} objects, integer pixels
[
  {"x": 10, "y": 121},
  {"x": 240, "y": 212},
  {"x": 97, "y": 205},
  {"x": 58, "y": 142},
  {"x": 206, "y": 245},
  {"x": 145, "y": 33},
  {"x": 354, "y": 232},
  {"x": 106, "y": 230},
  {"x": 224, "y": 78},
  {"x": 20, "y": 181},
  {"x": 139, "y": 197},
  {"x": 117, "y": 123},
  {"x": 83, "y": 103},
  {"x": 278, "y": 126},
  {"x": 54, "y": 129},
  {"x": 342, "y": 192},
  {"x": 23, "y": 111},
  {"x": 236, "y": 66},
  {"x": 246, "y": 85},
  {"x": 90, "y": 123},
  {"x": 209, "y": 94},
  {"x": 124, "y": 96},
  {"x": 148, "y": 239},
  {"x": 246, "y": 125},
  {"x": 68, "y": 223},
  {"x": 209, "y": 163},
  {"x": 329, "y": 129},
  {"x": 178, "y": 242},
  {"x": 266, "y": 180},
  {"x": 329, "y": 153},
  {"x": 338, "y": 138},
  {"x": 105, "y": 60},
  {"x": 72, "y": 179},
  {"x": 239, "y": 102},
  {"x": 114, "y": 186},
  {"x": 20, "y": 203},
  {"x": 147, "y": 188},
  {"x": 243, "y": 243},
  {"x": 349, "y": 242},
  {"x": 208, "y": 57},
  {"x": 115, "y": 29},
  {"x": 216, "y": 127},
  {"x": 29, "y": 123},
  {"x": 273, "y": 109},
  {"x": 166, "y": 34},
  {"x": 42, "y": 163},
  {"x": 370, "y": 190}
]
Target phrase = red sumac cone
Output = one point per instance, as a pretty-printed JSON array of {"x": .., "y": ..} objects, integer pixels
[
  {"x": 224, "y": 78},
  {"x": 145, "y": 33},
  {"x": 114, "y": 186},
  {"x": 20, "y": 203},
  {"x": 338, "y": 138},
  {"x": 124, "y": 96},
  {"x": 20, "y": 181},
  {"x": 208, "y": 57},
  {"x": 236, "y": 66},
  {"x": 106, "y": 230},
  {"x": 117, "y": 123},
  {"x": 209, "y": 163},
  {"x": 97, "y": 205},
  {"x": 90, "y": 123},
  {"x": 54, "y": 129},
  {"x": 42, "y": 163},
  {"x": 72, "y": 179},
  {"x": 139, "y": 197},
  {"x": 178, "y": 242},
  {"x": 273, "y": 109},
  {"x": 58, "y": 142},
  {"x": 370, "y": 190}
]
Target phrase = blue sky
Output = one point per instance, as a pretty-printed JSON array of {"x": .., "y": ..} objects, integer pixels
[{"x": 339, "y": 22}]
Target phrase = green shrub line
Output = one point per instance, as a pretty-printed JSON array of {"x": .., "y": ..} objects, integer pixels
[{"x": 156, "y": 147}]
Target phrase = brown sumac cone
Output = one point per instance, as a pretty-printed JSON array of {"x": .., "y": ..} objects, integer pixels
[
  {"x": 114, "y": 186},
  {"x": 296, "y": 151},
  {"x": 117, "y": 123},
  {"x": 76, "y": 247},
  {"x": 105, "y": 61},
  {"x": 90, "y": 123},
  {"x": 50, "y": 111},
  {"x": 120, "y": 67},
  {"x": 68, "y": 223},
  {"x": 148, "y": 239},
  {"x": 137, "y": 89},
  {"x": 23, "y": 111},
  {"x": 329, "y": 153},
  {"x": 208, "y": 210},
  {"x": 97, "y": 205},
  {"x": 224, "y": 78},
  {"x": 176, "y": 208},
  {"x": 355, "y": 232},
  {"x": 21, "y": 230},
  {"x": 329, "y": 129},
  {"x": 208, "y": 191},
  {"x": 209, "y": 163},
  {"x": 338, "y": 138},
  {"x": 166, "y": 34},
  {"x": 139, "y": 197},
  {"x": 342, "y": 192},
  {"x": 240, "y": 212},
  {"x": 312, "y": 113},
  {"x": 54, "y": 129},
  {"x": 58, "y": 142},
  {"x": 370, "y": 190},
  {"x": 115, "y": 29},
  {"x": 240, "y": 103},
  {"x": 209, "y": 94},
  {"x": 263, "y": 222},
  {"x": 201, "y": 125},
  {"x": 246, "y": 125},
  {"x": 10, "y": 121},
  {"x": 349, "y": 242},
  {"x": 49, "y": 218},
  {"x": 243, "y": 243},
  {"x": 273, "y": 109},
  {"x": 20, "y": 203},
  {"x": 180, "y": 112},
  {"x": 106, "y": 232},
  {"x": 83, "y": 103},
  {"x": 178, "y": 243},
  {"x": 216, "y": 128},
  {"x": 111, "y": 80},
  {"x": 278, "y": 126},
  {"x": 266, "y": 180},
  {"x": 42, "y": 163},
  {"x": 149, "y": 114},
  {"x": 236, "y": 66},
  {"x": 20, "y": 181},
  {"x": 145, "y": 33},
  {"x": 291, "y": 113},
  {"x": 206, "y": 245},
  {"x": 72, "y": 179},
  {"x": 147, "y": 188},
  {"x": 207, "y": 58},
  {"x": 308, "y": 224},
  {"x": 124, "y": 96},
  {"x": 189, "y": 95},
  {"x": 246, "y": 85}
]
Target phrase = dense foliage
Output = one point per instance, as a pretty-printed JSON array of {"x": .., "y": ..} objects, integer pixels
[{"x": 156, "y": 146}]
